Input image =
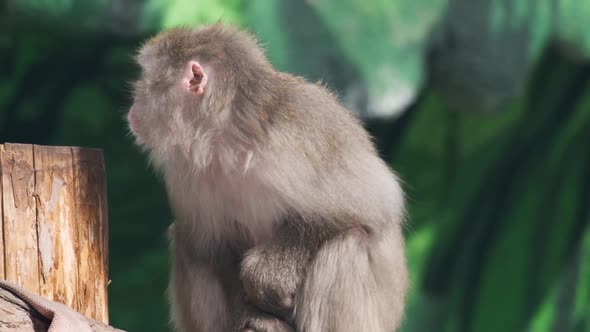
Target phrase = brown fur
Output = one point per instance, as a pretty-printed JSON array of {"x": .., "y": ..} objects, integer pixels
[{"x": 286, "y": 218}]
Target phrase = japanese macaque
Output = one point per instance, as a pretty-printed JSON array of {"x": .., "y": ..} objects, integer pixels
[{"x": 286, "y": 217}]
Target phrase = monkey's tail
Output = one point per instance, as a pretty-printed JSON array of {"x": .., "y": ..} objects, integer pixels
[{"x": 356, "y": 283}]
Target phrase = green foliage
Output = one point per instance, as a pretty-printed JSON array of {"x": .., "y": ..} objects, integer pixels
[
  {"x": 572, "y": 18},
  {"x": 165, "y": 14},
  {"x": 386, "y": 39}
]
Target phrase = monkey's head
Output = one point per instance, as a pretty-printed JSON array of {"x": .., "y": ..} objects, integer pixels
[{"x": 193, "y": 80}]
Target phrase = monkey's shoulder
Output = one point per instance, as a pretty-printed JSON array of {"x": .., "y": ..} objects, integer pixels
[{"x": 310, "y": 111}]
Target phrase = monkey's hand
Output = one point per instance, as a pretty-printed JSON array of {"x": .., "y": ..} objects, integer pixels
[
  {"x": 271, "y": 273},
  {"x": 270, "y": 276},
  {"x": 254, "y": 320}
]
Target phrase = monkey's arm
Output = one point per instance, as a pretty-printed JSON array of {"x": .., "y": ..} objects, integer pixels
[{"x": 271, "y": 273}]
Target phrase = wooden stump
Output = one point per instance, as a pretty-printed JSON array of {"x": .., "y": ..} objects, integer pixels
[
  {"x": 19, "y": 316},
  {"x": 54, "y": 224}
]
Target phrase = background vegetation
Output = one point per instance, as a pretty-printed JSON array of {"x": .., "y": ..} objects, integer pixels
[{"x": 482, "y": 106}]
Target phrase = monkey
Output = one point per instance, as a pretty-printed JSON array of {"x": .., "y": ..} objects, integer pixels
[{"x": 285, "y": 216}]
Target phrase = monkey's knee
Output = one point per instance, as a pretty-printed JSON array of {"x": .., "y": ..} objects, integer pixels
[
  {"x": 268, "y": 286},
  {"x": 268, "y": 296}
]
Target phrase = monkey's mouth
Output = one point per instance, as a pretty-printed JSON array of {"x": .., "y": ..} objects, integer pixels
[{"x": 132, "y": 119}]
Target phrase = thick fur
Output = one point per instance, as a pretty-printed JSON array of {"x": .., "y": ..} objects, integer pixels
[
  {"x": 287, "y": 219},
  {"x": 354, "y": 284}
]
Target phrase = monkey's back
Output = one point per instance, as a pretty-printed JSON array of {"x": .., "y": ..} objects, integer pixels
[{"x": 323, "y": 159}]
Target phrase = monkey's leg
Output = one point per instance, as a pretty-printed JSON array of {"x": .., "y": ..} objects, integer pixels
[
  {"x": 271, "y": 275},
  {"x": 211, "y": 298},
  {"x": 203, "y": 280},
  {"x": 205, "y": 291},
  {"x": 197, "y": 298},
  {"x": 272, "y": 272},
  {"x": 357, "y": 282},
  {"x": 246, "y": 317}
]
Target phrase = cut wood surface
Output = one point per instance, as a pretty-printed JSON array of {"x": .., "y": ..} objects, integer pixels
[{"x": 54, "y": 224}]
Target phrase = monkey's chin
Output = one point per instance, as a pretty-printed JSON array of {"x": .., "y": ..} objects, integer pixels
[
  {"x": 134, "y": 127},
  {"x": 139, "y": 141},
  {"x": 138, "y": 138}
]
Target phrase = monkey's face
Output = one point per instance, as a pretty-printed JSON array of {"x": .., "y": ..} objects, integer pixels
[
  {"x": 191, "y": 79},
  {"x": 167, "y": 102}
]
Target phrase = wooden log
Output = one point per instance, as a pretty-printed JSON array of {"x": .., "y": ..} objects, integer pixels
[
  {"x": 19, "y": 316},
  {"x": 54, "y": 224}
]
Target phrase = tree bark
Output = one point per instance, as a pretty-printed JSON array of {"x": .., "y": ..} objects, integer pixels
[{"x": 54, "y": 225}]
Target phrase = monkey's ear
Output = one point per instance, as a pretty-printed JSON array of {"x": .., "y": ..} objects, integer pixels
[{"x": 196, "y": 78}]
